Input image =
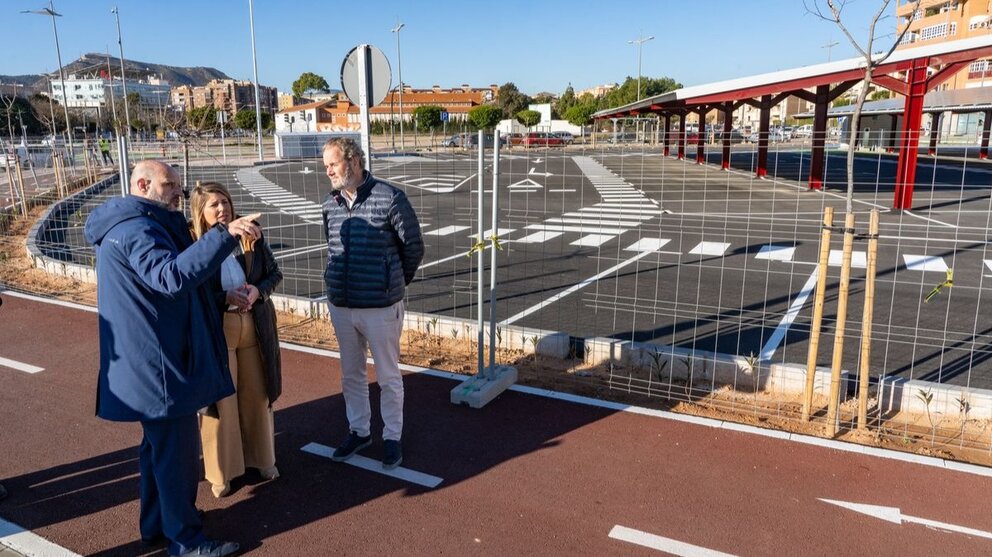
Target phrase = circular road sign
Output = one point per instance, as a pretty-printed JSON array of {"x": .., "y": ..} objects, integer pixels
[{"x": 381, "y": 75}]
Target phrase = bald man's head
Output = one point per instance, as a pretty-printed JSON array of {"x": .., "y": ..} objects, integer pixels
[{"x": 157, "y": 181}]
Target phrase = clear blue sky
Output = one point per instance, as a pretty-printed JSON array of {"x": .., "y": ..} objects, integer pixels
[{"x": 540, "y": 45}]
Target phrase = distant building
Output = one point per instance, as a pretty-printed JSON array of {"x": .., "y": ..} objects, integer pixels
[
  {"x": 597, "y": 91},
  {"x": 340, "y": 114},
  {"x": 94, "y": 91},
  {"x": 227, "y": 95},
  {"x": 948, "y": 20}
]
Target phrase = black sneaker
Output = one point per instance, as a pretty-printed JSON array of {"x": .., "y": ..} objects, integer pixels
[
  {"x": 210, "y": 548},
  {"x": 392, "y": 454},
  {"x": 351, "y": 445}
]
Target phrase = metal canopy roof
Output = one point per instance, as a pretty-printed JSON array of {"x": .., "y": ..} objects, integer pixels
[
  {"x": 976, "y": 99},
  {"x": 801, "y": 78}
]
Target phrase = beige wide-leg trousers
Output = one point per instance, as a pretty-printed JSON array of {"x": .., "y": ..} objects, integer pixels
[{"x": 243, "y": 434}]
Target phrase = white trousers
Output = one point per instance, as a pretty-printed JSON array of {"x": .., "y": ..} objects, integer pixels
[{"x": 377, "y": 329}]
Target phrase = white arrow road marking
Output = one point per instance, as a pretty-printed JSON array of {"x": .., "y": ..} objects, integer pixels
[
  {"x": 534, "y": 172},
  {"x": 306, "y": 170},
  {"x": 20, "y": 366},
  {"x": 526, "y": 183},
  {"x": 893, "y": 515},
  {"x": 372, "y": 465},
  {"x": 668, "y": 545}
]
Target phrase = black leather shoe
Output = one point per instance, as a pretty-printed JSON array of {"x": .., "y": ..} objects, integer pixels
[
  {"x": 153, "y": 541},
  {"x": 392, "y": 454},
  {"x": 211, "y": 548}
]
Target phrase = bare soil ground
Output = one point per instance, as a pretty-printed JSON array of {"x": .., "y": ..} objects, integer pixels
[{"x": 945, "y": 437}]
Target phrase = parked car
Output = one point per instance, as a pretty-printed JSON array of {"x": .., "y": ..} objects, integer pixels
[
  {"x": 774, "y": 136},
  {"x": 735, "y": 136},
  {"x": 803, "y": 132},
  {"x": 457, "y": 140},
  {"x": 787, "y": 133},
  {"x": 623, "y": 137},
  {"x": 514, "y": 138},
  {"x": 538, "y": 139},
  {"x": 566, "y": 137}
]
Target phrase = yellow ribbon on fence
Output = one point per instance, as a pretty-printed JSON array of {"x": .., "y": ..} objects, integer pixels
[{"x": 948, "y": 282}]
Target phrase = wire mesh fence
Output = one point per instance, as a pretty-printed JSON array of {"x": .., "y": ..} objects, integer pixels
[{"x": 625, "y": 272}]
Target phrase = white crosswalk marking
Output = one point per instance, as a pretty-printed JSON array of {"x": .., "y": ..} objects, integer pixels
[
  {"x": 537, "y": 237},
  {"x": 593, "y": 240},
  {"x": 710, "y": 248},
  {"x": 271, "y": 194},
  {"x": 924, "y": 263},
  {"x": 499, "y": 232}
]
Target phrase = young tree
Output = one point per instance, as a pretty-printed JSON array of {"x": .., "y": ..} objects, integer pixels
[
  {"x": 511, "y": 100},
  {"x": 308, "y": 81},
  {"x": 485, "y": 116},
  {"x": 529, "y": 118},
  {"x": 202, "y": 118},
  {"x": 872, "y": 61},
  {"x": 428, "y": 117},
  {"x": 580, "y": 114}
]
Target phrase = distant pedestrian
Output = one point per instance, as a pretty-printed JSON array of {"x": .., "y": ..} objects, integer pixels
[
  {"x": 105, "y": 151},
  {"x": 374, "y": 247},
  {"x": 162, "y": 350}
]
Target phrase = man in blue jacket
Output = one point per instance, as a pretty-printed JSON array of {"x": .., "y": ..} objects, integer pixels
[
  {"x": 374, "y": 247},
  {"x": 162, "y": 350}
]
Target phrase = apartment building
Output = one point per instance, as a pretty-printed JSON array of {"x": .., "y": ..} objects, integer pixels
[
  {"x": 94, "y": 91},
  {"x": 936, "y": 21},
  {"x": 227, "y": 95}
]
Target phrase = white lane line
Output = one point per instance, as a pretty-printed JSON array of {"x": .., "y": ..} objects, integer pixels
[
  {"x": 20, "y": 366},
  {"x": 299, "y": 251},
  {"x": 783, "y": 327},
  {"x": 29, "y": 543},
  {"x": 776, "y": 252},
  {"x": 537, "y": 237},
  {"x": 449, "y": 258},
  {"x": 579, "y": 229},
  {"x": 371, "y": 465},
  {"x": 499, "y": 232},
  {"x": 574, "y": 288},
  {"x": 668, "y": 545},
  {"x": 561, "y": 191},
  {"x": 988, "y": 263},
  {"x": 925, "y": 263}
]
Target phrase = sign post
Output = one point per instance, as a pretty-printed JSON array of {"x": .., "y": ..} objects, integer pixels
[
  {"x": 365, "y": 78},
  {"x": 221, "y": 121}
]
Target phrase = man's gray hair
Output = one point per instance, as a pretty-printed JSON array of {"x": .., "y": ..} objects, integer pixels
[{"x": 350, "y": 148}]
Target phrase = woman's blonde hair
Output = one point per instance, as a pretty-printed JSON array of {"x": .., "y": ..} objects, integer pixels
[{"x": 198, "y": 200}]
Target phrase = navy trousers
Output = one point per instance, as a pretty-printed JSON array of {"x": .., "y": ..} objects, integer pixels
[{"x": 169, "y": 464}]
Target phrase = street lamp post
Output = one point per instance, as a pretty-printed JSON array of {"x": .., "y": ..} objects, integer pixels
[
  {"x": 49, "y": 11},
  {"x": 399, "y": 72},
  {"x": 639, "y": 41},
  {"x": 120, "y": 44},
  {"x": 254, "y": 65}
]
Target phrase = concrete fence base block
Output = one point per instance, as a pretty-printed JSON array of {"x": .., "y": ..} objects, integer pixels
[
  {"x": 791, "y": 379},
  {"x": 899, "y": 395},
  {"x": 479, "y": 390}
]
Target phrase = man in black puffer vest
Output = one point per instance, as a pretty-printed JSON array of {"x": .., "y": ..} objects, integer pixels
[{"x": 374, "y": 247}]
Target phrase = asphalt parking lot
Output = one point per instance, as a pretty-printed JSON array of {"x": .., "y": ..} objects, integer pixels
[{"x": 629, "y": 244}]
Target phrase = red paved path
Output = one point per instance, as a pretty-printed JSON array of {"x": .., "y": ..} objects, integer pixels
[{"x": 524, "y": 476}]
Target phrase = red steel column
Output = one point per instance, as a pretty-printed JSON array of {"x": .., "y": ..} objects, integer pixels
[
  {"x": 764, "y": 119},
  {"x": 983, "y": 153},
  {"x": 682, "y": 125},
  {"x": 816, "y": 166},
  {"x": 668, "y": 131},
  {"x": 910, "y": 140},
  {"x": 728, "y": 126},
  {"x": 701, "y": 137},
  {"x": 934, "y": 132}
]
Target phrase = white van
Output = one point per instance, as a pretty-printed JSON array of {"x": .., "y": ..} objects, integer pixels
[{"x": 803, "y": 132}]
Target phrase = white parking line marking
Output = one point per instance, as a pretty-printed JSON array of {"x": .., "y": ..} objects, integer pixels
[
  {"x": 371, "y": 465},
  {"x": 859, "y": 259},
  {"x": 499, "y": 232},
  {"x": 988, "y": 263},
  {"x": 668, "y": 545},
  {"x": 574, "y": 288},
  {"x": 592, "y": 240},
  {"x": 446, "y": 230},
  {"x": 776, "y": 252},
  {"x": 783, "y": 327},
  {"x": 924, "y": 263},
  {"x": 537, "y": 237},
  {"x": 29, "y": 543},
  {"x": 20, "y": 366},
  {"x": 710, "y": 248},
  {"x": 647, "y": 244}
]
